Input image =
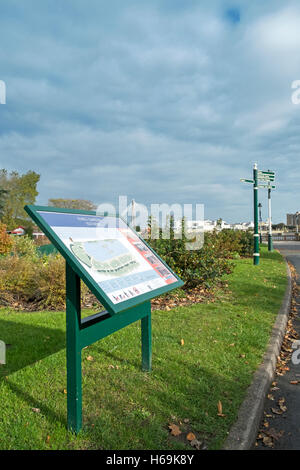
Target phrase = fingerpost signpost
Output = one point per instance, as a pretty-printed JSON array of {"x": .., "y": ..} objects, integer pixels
[
  {"x": 121, "y": 270},
  {"x": 261, "y": 179}
]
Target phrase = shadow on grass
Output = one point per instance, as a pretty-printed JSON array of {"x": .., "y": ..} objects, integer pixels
[
  {"x": 34, "y": 403},
  {"x": 27, "y": 344}
]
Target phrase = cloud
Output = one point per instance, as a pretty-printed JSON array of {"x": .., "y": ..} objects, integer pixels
[{"x": 162, "y": 101}]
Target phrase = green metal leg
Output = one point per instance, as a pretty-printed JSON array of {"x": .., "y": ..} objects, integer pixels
[
  {"x": 146, "y": 340},
  {"x": 74, "y": 394},
  {"x": 270, "y": 243}
]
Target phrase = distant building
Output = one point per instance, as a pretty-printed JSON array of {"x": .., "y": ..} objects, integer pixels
[
  {"x": 293, "y": 219},
  {"x": 18, "y": 231},
  {"x": 211, "y": 225},
  {"x": 37, "y": 234}
]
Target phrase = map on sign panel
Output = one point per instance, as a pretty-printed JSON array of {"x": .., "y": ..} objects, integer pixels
[{"x": 115, "y": 257}]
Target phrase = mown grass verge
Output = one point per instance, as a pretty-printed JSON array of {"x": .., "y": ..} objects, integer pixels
[{"x": 123, "y": 407}]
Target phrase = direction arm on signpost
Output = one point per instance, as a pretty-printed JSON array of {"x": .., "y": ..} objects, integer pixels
[{"x": 243, "y": 180}]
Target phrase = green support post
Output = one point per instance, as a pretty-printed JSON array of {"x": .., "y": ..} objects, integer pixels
[
  {"x": 270, "y": 240},
  {"x": 74, "y": 393},
  {"x": 146, "y": 340},
  {"x": 255, "y": 204}
]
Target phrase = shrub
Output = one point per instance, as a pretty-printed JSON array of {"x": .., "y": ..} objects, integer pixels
[
  {"x": 18, "y": 280},
  {"x": 36, "y": 282},
  {"x": 205, "y": 266},
  {"x": 6, "y": 240},
  {"x": 231, "y": 242},
  {"x": 52, "y": 287},
  {"x": 24, "y": 246}
]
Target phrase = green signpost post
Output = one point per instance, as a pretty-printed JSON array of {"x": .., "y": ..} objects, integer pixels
[
  {"x": 122, "y": 271},
  {"x": 254, "y": 181}
]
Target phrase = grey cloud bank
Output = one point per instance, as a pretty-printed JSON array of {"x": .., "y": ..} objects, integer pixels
[{"x": 161, "y": 101}]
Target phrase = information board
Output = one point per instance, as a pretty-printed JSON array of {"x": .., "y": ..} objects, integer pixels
[{"x": 117, "y": 265}]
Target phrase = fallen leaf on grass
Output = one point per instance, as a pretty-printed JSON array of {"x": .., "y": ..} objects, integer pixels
[
  {"x": 48, "y": 439},
  {"x": 191, "y": 436},
  {"x": 220, "y": 409},
  {"x": 90, "y": 358},
  {"x": 36, "y": 410},
  {"x": 175, "y": 431},
  {"x": 182, "y": 342}
]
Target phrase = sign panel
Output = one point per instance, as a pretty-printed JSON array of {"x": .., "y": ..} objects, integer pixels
[
  {"x": 266, "y": 172},
  {"x": 266, "y": 178},
  {"x": 266, "y": 175},
  {"x": 115, "y": 263},
  {"x": 268, "y": 186},
  {"x": 243, "y": 180}
]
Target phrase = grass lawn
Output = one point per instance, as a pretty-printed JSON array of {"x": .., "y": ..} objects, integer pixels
[{"x": 123, "y": 407}]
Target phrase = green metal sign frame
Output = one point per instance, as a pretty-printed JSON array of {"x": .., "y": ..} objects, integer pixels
[
  {"x": 81, "y": 332},
  {"x": 71, "y": 259}
]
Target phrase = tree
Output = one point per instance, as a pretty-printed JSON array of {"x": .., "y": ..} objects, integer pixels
[
  {"x": 19, "y": 191},
  {"x": 280, "y": 226},
  {"x": 3, "y": 195},
  {"x": 80, "y": 204}
]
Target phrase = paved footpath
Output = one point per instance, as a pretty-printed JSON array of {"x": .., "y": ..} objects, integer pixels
[{"x": 286, "y": 426}]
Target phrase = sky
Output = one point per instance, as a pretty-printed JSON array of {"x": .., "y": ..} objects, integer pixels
[{"x": 163, "y": 101}]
